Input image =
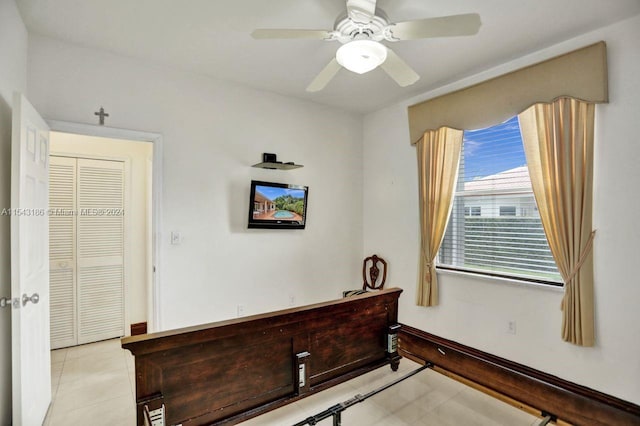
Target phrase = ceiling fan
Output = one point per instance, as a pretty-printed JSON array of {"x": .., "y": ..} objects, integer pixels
[{"x": 362, "y": 29}]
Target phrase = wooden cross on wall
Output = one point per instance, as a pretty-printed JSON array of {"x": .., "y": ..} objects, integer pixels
[{"x": 102, "y": 115}]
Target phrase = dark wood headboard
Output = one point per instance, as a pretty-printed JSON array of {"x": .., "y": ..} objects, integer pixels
[{"x": 228, "y": 371}]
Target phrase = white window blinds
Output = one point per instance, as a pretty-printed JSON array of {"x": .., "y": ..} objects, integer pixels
[{"x": 494, "y": 226}]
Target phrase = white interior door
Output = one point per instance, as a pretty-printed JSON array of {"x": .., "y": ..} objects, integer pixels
[
  {"x": 100, "y": 290},
  {"x": 86, "y": 250},
  {"x": 62, "y": 251},
  {"x": 31, "y": 357}
]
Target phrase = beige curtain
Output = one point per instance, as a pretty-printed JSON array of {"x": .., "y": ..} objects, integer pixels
[
  {"x": 558, "y": 142},
  {"x": 438, "y": 158}
]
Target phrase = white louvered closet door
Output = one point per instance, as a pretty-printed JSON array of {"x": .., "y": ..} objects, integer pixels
[
  {"x": 86, "y": 245},
  {"x": 62, "y": 250},
  {"x": 100, "y": 260}
]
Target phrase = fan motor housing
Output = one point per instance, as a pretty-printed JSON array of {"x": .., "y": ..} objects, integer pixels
[{"x": 349, "y": 30}]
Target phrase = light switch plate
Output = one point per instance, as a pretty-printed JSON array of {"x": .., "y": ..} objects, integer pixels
[{"x": 176, "y": 238}]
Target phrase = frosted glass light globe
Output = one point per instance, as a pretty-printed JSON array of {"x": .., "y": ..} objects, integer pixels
[{"x": 361, "y": 56}]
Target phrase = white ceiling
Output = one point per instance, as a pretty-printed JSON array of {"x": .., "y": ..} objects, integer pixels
[{"x": 212, "y": 37}]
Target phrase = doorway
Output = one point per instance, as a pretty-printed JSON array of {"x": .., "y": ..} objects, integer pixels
[
  {"x": 108, "y": 277},
  {"x": 87, "y": 232}
]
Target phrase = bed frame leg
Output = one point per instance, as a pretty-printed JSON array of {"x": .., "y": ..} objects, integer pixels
[{"x": 394, "y": 363}]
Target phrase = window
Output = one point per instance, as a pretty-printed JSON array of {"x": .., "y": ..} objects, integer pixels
[
  {"x": 507, "y": 210},
  {"x": 495, "y": 227},
  {"x": 472, "y": 211}
]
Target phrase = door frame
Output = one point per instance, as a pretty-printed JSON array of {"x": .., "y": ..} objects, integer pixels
[{"x": 154, "y": 318}]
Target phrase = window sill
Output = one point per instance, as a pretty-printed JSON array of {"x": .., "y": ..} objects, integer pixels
[{"x": 501, "y": 280}]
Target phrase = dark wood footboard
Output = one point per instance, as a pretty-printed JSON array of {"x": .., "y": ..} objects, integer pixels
[{"x": 229, "y": 371}]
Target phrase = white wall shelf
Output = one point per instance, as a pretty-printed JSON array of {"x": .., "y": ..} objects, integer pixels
[{"x": 277, "y": 165}]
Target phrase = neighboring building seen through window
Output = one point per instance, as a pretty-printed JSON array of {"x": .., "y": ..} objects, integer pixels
[{"x": 494, "y": 226}]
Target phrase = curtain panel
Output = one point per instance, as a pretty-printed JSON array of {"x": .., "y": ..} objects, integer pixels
[
  {"x": 438, "y": 159},
  {"x": 558, "y": 143}
]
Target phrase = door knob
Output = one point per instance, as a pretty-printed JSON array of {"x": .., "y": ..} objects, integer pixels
[{"x": 35, "y": 298}]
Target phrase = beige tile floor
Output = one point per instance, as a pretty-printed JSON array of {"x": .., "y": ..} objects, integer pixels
[{"x": 94, "y": 385}]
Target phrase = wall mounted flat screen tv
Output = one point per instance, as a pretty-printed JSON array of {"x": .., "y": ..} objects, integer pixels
[{"x": 277, "y": 205}]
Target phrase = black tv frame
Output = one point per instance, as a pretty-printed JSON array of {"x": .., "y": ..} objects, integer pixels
[{"x": 276, "y": 224}]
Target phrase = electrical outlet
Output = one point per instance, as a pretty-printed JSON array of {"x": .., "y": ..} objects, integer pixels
[
  {"x": 292, "y": 300},
  {"x": 241, "y": 309},
  {"x": 511, "y": 327}
]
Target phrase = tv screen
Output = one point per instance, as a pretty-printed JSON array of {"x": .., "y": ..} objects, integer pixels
[{"x": 277, "y": 205}]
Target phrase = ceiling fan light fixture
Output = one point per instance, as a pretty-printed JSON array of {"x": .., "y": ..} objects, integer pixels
[{"x": 361, "y": 56}]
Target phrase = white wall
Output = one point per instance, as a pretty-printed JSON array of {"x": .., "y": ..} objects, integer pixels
[
  {"x": 13, "y": 77},
  {"x": 138, "y": 154},
  {"x": 475, "y": 311},
  {"x": 212, "y": 133}
]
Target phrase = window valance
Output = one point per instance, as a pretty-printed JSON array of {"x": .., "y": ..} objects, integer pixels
[{"x": 580, "y": 74}]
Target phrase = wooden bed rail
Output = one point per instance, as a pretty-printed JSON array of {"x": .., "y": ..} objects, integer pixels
[
  {"x": 552, "y": 396},
  {"x": 229, "y": 371}
]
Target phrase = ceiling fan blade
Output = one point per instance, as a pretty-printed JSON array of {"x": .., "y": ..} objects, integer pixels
[
  {"x": 287, "y": 33},
  {"x": 361, "y": 10},
  {"x": 398, "y": 69},
  {"x": 325, "y": 76},
  {"x": 444, "y": 26}
]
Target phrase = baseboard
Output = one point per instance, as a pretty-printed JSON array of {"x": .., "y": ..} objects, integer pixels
[
  {"x": 139, "y": 328},
  {"x": 549, "y": 394}
]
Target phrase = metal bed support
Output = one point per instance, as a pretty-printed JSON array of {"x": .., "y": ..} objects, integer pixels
[
  {"x": 547, "y": 418},
  {"x": 545, "y": 421},
  {"x": 336, "y": 410}
]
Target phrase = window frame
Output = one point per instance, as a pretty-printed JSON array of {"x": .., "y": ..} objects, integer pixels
[
  {"x": 459, "y": 197},
  {"x": 502, "y": 211},
  {"x": 495, "y": 277}
]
